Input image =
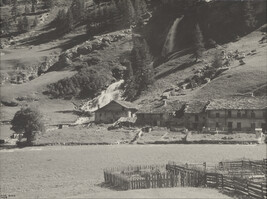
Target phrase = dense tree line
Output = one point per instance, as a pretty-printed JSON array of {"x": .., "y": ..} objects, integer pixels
[
  {"x": 116, "y": 15},
  {"x": 87, "y": 83}
]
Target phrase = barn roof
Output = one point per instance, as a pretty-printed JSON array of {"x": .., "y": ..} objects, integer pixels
[
  {"x": 170, "y": 106},
  {"x": 127, "y": 105},
  {"x": 248, "y": 103},
  {"x": 196, "y": 106}
]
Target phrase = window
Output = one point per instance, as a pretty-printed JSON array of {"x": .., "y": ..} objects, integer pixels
[
  {"x": 230, "y": 125},
  {"x": 253, "y": 126},
  {"x": 238, "y": 126},
  {"x": 217, "y": 114},
  {"x": 217, "y": 125},
  {"x": 196, "y": 118},
  {"x": 263, "y": 126},
  {"x": 252, "y": 114},
  {"x": 238, "y": 114},
  {"x": 245, "y": 114},
  {"x": 229, "y": 113}
]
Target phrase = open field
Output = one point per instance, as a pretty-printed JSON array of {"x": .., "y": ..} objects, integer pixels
[
  {"x": 78, "y": 170},
  {"x": 88, "y": 135}
]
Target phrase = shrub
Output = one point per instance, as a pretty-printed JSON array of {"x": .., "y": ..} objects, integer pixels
[
  {"x": 87, "y": 83},
  {"x": 217, "y": 61},
  {"x": 28, "y": 121},
  {"x": 211, "y": 43}
]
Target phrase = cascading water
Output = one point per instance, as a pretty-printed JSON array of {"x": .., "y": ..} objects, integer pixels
[
  {"x": 113, "y": 92},
  {"x": 169, "y": 44}
]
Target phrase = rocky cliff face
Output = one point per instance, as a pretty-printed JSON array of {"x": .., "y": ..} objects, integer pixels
[{"x": 220, "y": 21}]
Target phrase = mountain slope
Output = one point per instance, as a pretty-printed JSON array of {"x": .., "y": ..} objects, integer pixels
[{"x": 237, "y": 80}]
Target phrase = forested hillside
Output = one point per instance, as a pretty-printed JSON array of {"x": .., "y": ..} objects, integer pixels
[{"x": 153, "y": 45}]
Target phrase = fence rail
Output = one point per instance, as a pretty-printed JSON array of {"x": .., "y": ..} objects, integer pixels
[
  {"x": 244, "y": 177},
  {"x": 240, "y": 185}
]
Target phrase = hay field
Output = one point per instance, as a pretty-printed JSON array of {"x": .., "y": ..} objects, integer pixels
[{"x": 73, "y": 171}]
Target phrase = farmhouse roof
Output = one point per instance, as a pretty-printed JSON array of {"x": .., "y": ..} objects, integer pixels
[
  {"x": 169, "y": 107},
  {"x": 238, "y": 103},
  {"x": 127, "y": 105},
  {"x": 196, "y": 107}
]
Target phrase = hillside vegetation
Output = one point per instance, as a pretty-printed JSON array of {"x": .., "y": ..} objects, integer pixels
[{"x": 54, "y": 52}]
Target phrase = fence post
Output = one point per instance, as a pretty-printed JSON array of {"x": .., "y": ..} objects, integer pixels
[
  {"x": 205, "y": 166},
  {"x": 262, "y": 193},
  {"x": 222, "y": 181},
  {"x": 248, "y": 189}
]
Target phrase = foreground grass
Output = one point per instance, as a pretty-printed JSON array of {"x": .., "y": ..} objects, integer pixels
[{"x": 68, "y": 171}]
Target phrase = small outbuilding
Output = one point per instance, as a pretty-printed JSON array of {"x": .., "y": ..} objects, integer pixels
[{"x": 114, "y": 110}]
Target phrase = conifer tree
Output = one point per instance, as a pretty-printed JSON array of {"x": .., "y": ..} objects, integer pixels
[
  {"x": 115, "y": 14},
  {"x": 217, "y": 61},
  {"x": 141, "y": 62},
  {"x": 35, "y": 22},
  {"x": 20, "y": 25},
  {"x": 48, "y": 4},
  {"x": 131, "y": 87},
  {"x": 140, "y": 8},
  {"x": 14, "y": 9},
  {"x": 26, "y": 9},
  {"x": 249, "y": 15},
  {"x": 68, "y": 22},
  {"x": 77, "y": 9},
  {"x": 5, "y": 26},
  {"x": 34, "y": 2},
  {"x": 127, "y": 9},
  {"x": 198, "y": 42}
]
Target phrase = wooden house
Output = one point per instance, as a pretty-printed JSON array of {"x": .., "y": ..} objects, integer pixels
[
  {"x": 237, "y": 114},
  {"x": 194, "y": 115},
  {"x": 114, "y": 111},
  {"x": 165, "y": 114}
]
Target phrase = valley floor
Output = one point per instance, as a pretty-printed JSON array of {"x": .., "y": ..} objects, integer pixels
[{"x": 77, "y": 171}]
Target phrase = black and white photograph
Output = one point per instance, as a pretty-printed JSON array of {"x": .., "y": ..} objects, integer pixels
[{"x": 133, "y": 99}]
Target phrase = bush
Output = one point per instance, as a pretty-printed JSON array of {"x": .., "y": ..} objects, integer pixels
[
  {"x": 211, "y": 43},
  {"x": 217, "y": 61},
  {"x": 28, "y": 121},
  {"x": 87, "y": 83}
]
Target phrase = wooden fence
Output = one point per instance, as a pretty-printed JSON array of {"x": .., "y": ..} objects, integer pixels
[
  {"x": 143, "y": 181},
  {"x": 258, "y": 166},
  {"x": 225, "y": 176},
  {"x": 236, "y": 184},
  {"x": 151, "y": 176}
]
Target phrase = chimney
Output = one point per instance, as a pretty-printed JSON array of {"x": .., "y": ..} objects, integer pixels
[
  {"x": 252, "y": 94},
  {"x": 98, "y": 106}
]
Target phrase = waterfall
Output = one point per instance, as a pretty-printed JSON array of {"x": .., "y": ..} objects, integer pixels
[
  {"x": 111, "y": 93},
  {"x": 168, "y": 46}
]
